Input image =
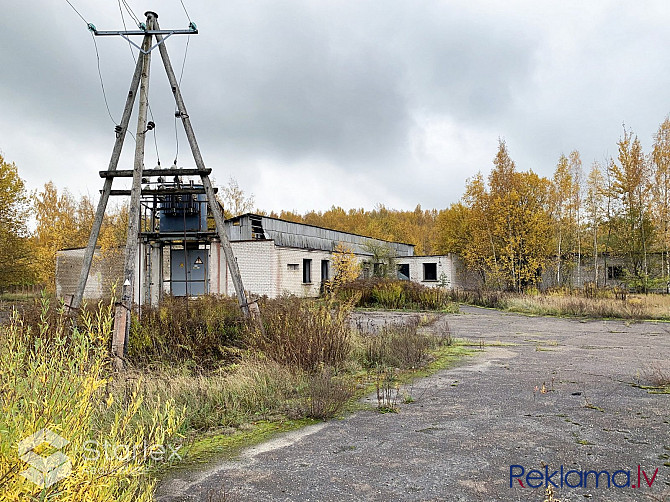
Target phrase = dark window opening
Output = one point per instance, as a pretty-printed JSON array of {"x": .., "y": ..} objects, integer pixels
[
  {"x": 293, "y": 266},
  {"x": 325, "y": 270},
  {"x": 403, "y": 271},
  {"x": 430, "y": 271},
  {"x": 615, "y": 272},
  {"x": 257, "y": 232},
  {"x": 307, "y": 271}
]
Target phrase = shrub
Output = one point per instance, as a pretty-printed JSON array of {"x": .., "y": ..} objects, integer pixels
[
  {"x": 199, "y": 330},
  {"x": 56, "y": 379},
  {"x": 396, "y": 294},
  {"x": 389, "y": 295},
  {"x": 324, "y": 393},
  {"x": 302, "y": 334},
  {"x": 398, "y": 346}
]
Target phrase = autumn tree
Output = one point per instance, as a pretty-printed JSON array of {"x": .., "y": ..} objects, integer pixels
[
  {"x": 595, "y": 208},
  {"x": 13, "y": 233},
  {"x": 661, "y": 191},
  {"x": 566, "y": 209},
  {"x": 480, "y": 252},
  {"x": 234, "y": 200},
  {"x": 56, "y": 229},
  {"x": 509, "y": 224},
  {"x": 345, "y": 268},
  {"x": 562, "y": 211},
  {"x": 452, "y": 229},
  {"x": 576, "y": 174},
  {"x": 634, "y": 230}
]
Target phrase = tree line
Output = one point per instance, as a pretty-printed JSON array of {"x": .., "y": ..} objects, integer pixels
[
  {"x": 61, "y": 221},
  {"x": 516, "y": 229},
  {"x": 604, "y": 224}
]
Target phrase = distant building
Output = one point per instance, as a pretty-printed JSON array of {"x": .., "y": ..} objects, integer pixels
[{"x": 275, "y": 257}]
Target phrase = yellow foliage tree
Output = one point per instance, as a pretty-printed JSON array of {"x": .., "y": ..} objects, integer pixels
[
  {"x": 13, "y": 216},
  {"x": 345, "y": 268},
  {"x": 661, "y": 191},
  {"x": 634, "y": 234},
  {"x": 56, "y": 229},
  {"x": 503, "y": 226},
  {"x": 64, "y": 222}
]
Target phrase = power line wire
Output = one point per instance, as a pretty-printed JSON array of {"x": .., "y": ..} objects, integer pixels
[
  {"x": 102, "y": 84},
  {"x": 131, "y": 12},
  {"x": 184, "y": 7},
  {"x": 125, "y": 28},
  {"x": 74, "y": 9}
]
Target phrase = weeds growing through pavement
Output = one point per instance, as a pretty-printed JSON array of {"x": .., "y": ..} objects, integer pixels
[{"x": 388, "y": 389}]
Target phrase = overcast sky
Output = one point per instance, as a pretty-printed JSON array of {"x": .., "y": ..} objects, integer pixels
[{"x": 310, "y": 104}]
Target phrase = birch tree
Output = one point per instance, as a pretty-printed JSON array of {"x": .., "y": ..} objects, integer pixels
[
  {"x": 661, "y": 191},
  {"x": 595, "y": 209},
  {"x": 630, "y": 186}
]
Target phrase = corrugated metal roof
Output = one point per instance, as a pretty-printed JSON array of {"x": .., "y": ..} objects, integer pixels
[{"x": 300, "y": 235}]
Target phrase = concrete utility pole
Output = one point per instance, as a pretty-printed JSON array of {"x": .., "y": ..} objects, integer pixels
[{"x": 141, "y": 79}]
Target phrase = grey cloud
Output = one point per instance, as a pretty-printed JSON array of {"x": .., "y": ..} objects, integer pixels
[{"x": 342, "y": 83}]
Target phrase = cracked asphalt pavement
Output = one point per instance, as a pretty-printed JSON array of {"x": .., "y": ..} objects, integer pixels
[{"x": 542, "y": 392}]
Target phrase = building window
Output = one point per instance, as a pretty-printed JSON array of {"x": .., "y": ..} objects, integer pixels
[
  {"x": 430, "y": 271},
  {"x": 306, "y": 271},
  {"x": 293, "y": 266},
  {"x": 403, "y": 271},
  {"x": 615, "y": 272},
  {"x": 325, "y": 270}
]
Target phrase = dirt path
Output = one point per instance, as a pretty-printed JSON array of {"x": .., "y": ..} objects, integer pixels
[{"x": 469, "y": 424}]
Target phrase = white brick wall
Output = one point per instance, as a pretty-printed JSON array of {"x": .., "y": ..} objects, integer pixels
[
  {"x": 445, "y": 270},
  {"x": 290, "y": 280},
  {"x": 257, "y": 261},
  {"x": 264, "y": 268}
]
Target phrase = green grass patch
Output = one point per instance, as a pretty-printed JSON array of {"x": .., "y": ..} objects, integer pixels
[
  {"x": 653, "y": 389},
  {"x": 205, "y": 447}
]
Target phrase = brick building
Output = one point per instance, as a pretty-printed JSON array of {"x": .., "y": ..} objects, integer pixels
[{"x": 275, "y": 257}]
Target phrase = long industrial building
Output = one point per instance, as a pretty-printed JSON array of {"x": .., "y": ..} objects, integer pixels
[{"x": 275, "y": 257}]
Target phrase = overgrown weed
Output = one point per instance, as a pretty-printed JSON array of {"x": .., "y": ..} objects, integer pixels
[
  {"x": 55, "y": 377},
  {"x": 195, "y": 368},
  {"x": 396, "y": 295}
]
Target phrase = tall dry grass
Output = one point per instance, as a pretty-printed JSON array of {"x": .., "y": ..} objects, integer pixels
[
  {"x": 587, "y": 302},
  {"x": 652, "y": 306},
  {"x": 303, "y": 334},
  {"x": 195, "y": 368},
  {"x": 56, "y": 377},
  {"x": 206, "y": 330}
]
